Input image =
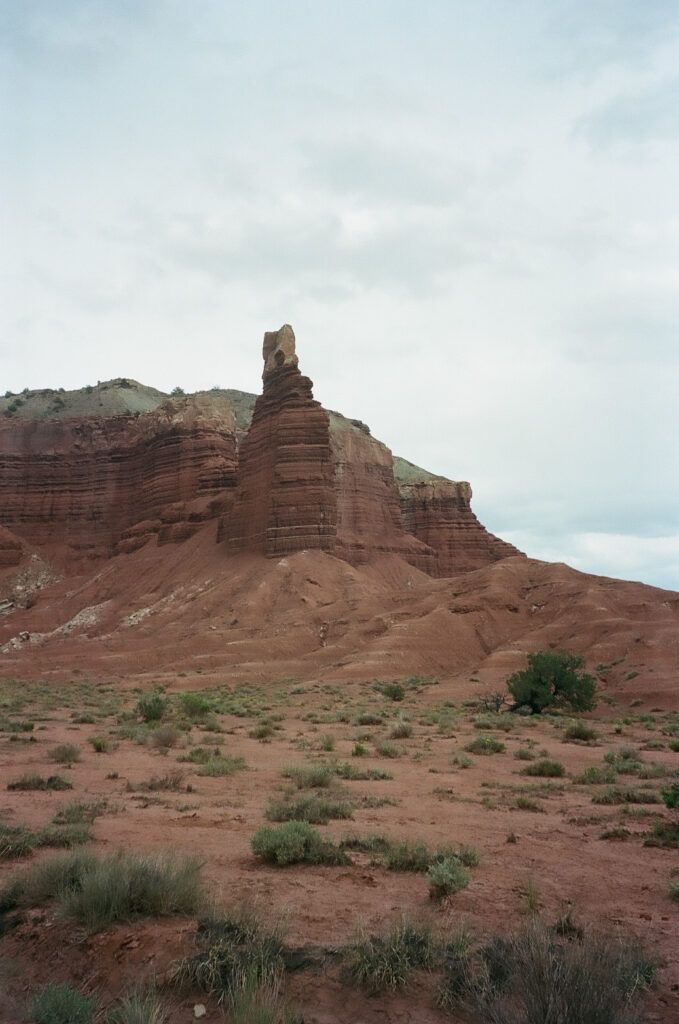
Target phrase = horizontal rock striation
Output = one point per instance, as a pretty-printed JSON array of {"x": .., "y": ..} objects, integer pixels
[
  {"x": 81, "y": 484},
  {"x": 285, "y": 497},
  {"x": 438, "y": 512}
]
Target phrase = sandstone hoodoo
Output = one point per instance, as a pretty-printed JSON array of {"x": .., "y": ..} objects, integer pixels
[{"x": 285, "y": 495}]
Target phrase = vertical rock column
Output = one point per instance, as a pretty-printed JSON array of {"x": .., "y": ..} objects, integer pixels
[{"x": 285, "y": 498}]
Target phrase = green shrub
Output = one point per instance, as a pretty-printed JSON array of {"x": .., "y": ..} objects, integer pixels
[
  {"x": 524, "y": 754},
  {"x": 328, "y": 742},
  {"x": 65, "y": 836},
  {"x": 580, "y": 732},
  {"x": 665, "y": 834},
  {"x": 295, "y": 843},
  {"x": 388, "y": 749},
  {"x": 553, "y": 679},
  {"x": 152, "y": 707},
  {"x": 393, "y": 691},
  {"x": 494, "y": 721},
  {"x": 359, "y": 750},
  {"x": 593, "y": 776},
  {"x": 368, "y": 718},
  {"x": 386, "y": 960},
  {"x": 198, "y": 755},
  {"x": 194, "y": 705},
  {"x": 65, "y": 753},
  {"x": 61, "y": 1004},
  {"x": 674, "y": 746},
  {"x": 100, "y": 744},
  {"x": 315, "y": 808},
  {"x": 447, "y": 876},
  {"x": 671, "y": 796},
  {"x": 544, "y": 767},
  {"x": 262, "y": 731},
  {"x": 485, "y": 745},
  {"x": 347, "y": 770}
]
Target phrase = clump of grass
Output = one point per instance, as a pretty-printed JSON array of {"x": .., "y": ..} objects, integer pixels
[
  {"x": 327, "y": 742},
  {"x": 385, "y": 960},
  {"x": 79, "y": 812},
  {"x": 65, "y": 753},
  {"x": 65, "y": 836},
  {"x": 359, "y": 750},
  {"x": 225, "y": 764},
  {"x": 263, "y": 731},
  {"x": 463, "y": 761},
  {"x": 311, "y": 776},
  {"x": 580, "y": 732},
  {"x": 537, "y": 975},
  {"x": 625, "y": 795},
  {"x": 295, "y": 843},
  {"x": 347, "y": 770},
  {"x": 402, "y": 730},
  {"x": 140, "y": 1007},
  {"x": 665, "y": 834},
  {"x": 447, "y": 876},
  {"x": 546, "y": 768},
  {"x": 368, "y": 718},
  {"x": 172, "y": 782},
  {"x": 315, "y": 808},
  {"x": 594, "y": 776},
  {"x": 164, "y": 736},
  {"x": 16, "y": 841},
  {"x": 388, "y": 749},
  {"x": 198, "y": 755},
  {"x": 32, "y": 781},
  {"x": 95, "y": 891},
  {"x": 524, "y": 754},
  {"x": 62, "y": 1004},
  {"x": 505, "y": 723},
  {"x": 485, "y": 745},
  {"x": 625, "y": 761},
  {"x": 524, "y": 803},
  {"x": 236, "y": 953},
  {"x": 100, "y": 744}
]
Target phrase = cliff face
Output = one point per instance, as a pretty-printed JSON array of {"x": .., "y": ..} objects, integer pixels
[
  {"x": 106, "y": 470},
  {"x": 81, "y": 483},
  {"x": 285, "y": 497},
  {"x": 369, "y": 517},
  {"x": 438, "y": 512}
]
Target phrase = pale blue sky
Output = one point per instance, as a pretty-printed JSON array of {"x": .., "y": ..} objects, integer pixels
[{"x": 467, "y": 210}]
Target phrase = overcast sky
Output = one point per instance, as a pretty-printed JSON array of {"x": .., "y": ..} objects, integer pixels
[{"x": 467, "y": 209}]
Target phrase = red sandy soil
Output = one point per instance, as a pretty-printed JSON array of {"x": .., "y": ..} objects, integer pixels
[{"x": 309, "y": 634}]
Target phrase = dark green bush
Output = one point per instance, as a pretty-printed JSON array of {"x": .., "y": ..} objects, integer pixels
[
  {"x": 447, "y": 876},
  {"x": 152, "y": 707},
  {"x": 544, "y": 767},
  {"x": 485, "y": 745},
  {"x": 553, "y": 679},
  {"x": 385, "y": 960}
]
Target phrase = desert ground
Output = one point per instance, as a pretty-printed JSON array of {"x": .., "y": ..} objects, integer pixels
[{"x": 416, "y": 759}]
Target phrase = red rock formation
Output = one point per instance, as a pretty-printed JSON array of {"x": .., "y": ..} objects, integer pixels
[
  {"x": 285, "y": 499},
  {"x": 81, "y": 483},
  {"x": 11, "y": 549},
  {"x": 369, "y": 518},
  {"x": 438, "y": 512}
]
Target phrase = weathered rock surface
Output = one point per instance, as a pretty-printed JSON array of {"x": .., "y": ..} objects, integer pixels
[
  {"x": 438, "y": 512},
  {"x": 78, "y": 485},
  {"x": 109, "y": 469},
  {"x": 285, "y": 499}
]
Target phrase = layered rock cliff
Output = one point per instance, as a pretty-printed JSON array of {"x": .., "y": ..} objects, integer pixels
[
  {"x": 438, "y": 512},
  {"x": 106, "y": 470},
  {"x": 80, "y": 484}
]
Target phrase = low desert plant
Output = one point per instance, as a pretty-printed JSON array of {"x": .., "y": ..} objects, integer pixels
[
  {"x": 236, "y": 954},
  {"x": 62, "y": 1004},
  {"x": 172, "y": 781},
  {"x": 402, "y": 730},
  {"x": 100, "y": 744},
  {"x": 447, "y": 876},
  {"x": 485, "y": 745},
  {"x": 140, "y": 1007},
  {"x": 580, "y": 732},
  {"x": 152, "y": 707},
  {"x": 388, "y": 749},
  {"x": 16, "y": 841},
  {"x": 524, "y": 754},
  {"x": 225, "y": 764},
  {"x": 96, "y": 891},
  {"x": 65, "y": 753},
  {"x": 385, "y": 960},
  {"x": 315, "y": 808},
  {"x": 368, "y": 718},
  {"x": 164, "y": 736},
  {"x": 546, "y": 768},
  {"x": 594, "y": 776},
  {"x": 311, "y": 776},
  {"x": 625, "y": 795},
  {"x": 295, "y": 843},
  {"x": 36, "y": 782},
  {"x": 194, "y": 705}
]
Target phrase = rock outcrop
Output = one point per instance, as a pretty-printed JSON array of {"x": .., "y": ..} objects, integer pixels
[
  {"x": 108, "y": 469},
  {"x": 438, "y": 512},
  {"x": 285, "y": 499},
  {"x": 79, "y": 485}
]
